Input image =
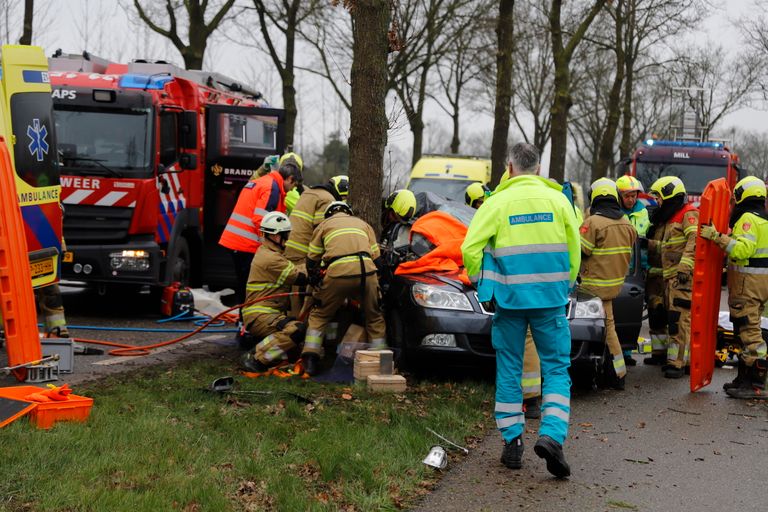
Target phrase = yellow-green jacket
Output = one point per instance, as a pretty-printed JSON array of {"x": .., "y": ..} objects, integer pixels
[
  {"x": 747, "y": 246},
  {"x": 523, "y": 246}
]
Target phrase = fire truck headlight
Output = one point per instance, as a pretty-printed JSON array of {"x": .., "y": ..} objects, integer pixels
[{"x": 130, "y": 261}]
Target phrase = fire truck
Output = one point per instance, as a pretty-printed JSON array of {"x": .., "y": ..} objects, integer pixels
[
  {"x": 153, "y": 158},
  {"x": 696, "y": 163}
]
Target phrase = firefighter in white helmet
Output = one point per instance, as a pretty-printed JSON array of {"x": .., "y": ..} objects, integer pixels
[{"x": 271, "y": 274}]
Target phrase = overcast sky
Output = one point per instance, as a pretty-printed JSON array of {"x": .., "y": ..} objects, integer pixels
[{"x": 100, "y": 26}]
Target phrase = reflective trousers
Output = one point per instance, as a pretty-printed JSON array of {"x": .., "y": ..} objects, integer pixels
[
  {"x": 612, "y": 340},
  {"x": 747, "y": 296},
  {"x": 657, "y": 314},
  {"x": 330, "y": 297},
  {"x": 279, "y": 336},
  {"x": 552, "y": 338},
  {"x": 531, "y": 369},
  {"x": 678, "y": 304}
]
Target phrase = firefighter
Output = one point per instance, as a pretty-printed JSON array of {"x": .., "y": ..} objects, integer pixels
[
  {"x": 679, "y": 220},
  {"x": 475, "y": 194},
  {"x": 306, "y": 216},
  {"x": 271, "y": 273},
  {"x": 654, "y": 297},
  {"x": 399, "y": 206},
  {"x": 607, "y": 238},
  {"x": 522, "y": 253},
  {"x": 346, "y": 248},
  {"x": 747, "y": 249},
  {"x": 258, "y": 197},
  {"x": 629, "y": 188}
]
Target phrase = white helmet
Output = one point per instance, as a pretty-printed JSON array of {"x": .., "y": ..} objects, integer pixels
[{"x": 274, "y": 223}]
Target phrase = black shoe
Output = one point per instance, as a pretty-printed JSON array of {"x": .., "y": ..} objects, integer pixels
[
  {"x": 630, "y": 361},
  {"x": 617, "y": 383},
  {"x": 532, "y": 408},
  {"x": 740, "y": 376},
  {"x": 552, "y": 451},
  {"x": 673, "y": 372},
  {"x": 753, "y": 384},
  {"x": 311, "y": 363},
  {"x": 512, "y": 455},
  {"x": 252, "y": 364},
  {"x": 655, "y": 360}
]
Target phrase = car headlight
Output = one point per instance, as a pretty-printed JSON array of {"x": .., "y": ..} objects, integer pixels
[
  {"x": 439, "y": 297},
  {"x": 592, "y": 308}
]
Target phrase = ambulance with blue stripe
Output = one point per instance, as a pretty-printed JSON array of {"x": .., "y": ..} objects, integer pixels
[
  {"x": 26, "y": 125},
  {"x": 153, "y": 159}
]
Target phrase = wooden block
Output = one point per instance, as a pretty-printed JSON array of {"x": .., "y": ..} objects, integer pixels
[
  {"x": 363, "y": 369},
  {"x": 387, "y": 383},
  {"x": 368, "y": 355}
]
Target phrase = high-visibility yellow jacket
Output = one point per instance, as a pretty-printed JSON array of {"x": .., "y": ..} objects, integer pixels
[
  {"x": 638, "y": 217},
  {"x": 308, "y": 213},
  {"x": 522, "y": 248},
  {"x": 271, "y": 273},
  {"x": 342, "y": 242},
  {"x": 607, "y": 248},
  {"x": 747, "y": 246},
  {"x": 678, "y": 246}
]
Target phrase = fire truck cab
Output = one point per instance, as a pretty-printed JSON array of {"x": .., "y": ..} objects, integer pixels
[
  {"x": 153, "y": 158},
  {"x": 696, "y": 163}
]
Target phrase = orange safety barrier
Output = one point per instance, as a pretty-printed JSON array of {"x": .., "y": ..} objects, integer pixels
[
  {"x": 16, "y": 297},
  {"x": 707, "y": 273}
]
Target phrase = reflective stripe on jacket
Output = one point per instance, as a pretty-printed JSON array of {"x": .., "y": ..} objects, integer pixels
[
  {"x": 271, "y": 273},
  {"x": 308, "y": 213},
  {"x": 258, "y": 197},
  {"x": 522, "y": 247},
  {"x": 678, "y": 245},
  {"x": 638, "y": 217},
  {"x": 747, "y": 246},
  {"x": 606, "y": 245},
  {"x": 340, "y": 242}
]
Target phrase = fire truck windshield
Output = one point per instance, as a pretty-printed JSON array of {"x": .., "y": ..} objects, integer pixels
[
  {"x": 113, "y": 142},
  {"x": 694, "y": 176}
]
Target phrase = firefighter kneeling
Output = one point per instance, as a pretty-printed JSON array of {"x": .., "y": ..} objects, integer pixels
[
  {"x": 747, "y": 250},
  {"x": 271, "y": 273},
  {"x": 347, "y": 248}
]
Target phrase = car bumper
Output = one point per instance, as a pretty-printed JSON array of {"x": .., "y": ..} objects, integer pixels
[{"x": 91, "y": 264}]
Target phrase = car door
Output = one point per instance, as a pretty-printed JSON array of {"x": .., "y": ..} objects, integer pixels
[{"x": 628, "y": 306}]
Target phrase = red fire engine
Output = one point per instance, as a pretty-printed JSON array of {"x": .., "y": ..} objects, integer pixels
[
  {"x": 153, "y": 158},
  {"x": 696, "y": 163}
]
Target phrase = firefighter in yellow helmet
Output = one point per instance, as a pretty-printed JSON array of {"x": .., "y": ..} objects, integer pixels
[
  {"x": 747, "y": 249},
  {"x": 679, "y": 222},
  {"x": 607, "y": 238},
  {"x": 475, "y": 194},
  {"x": 342, "y": 263},
  {"x": 399, "y": 206},
  {"x": 629, "y": 188},
  {"x": 272, "y": 273}
]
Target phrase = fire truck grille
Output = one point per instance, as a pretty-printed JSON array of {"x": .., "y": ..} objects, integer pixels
[{"x": 91, "y": 225}]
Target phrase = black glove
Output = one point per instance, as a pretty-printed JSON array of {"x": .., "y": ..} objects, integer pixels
[
  {"x": 315, "y": 277},
  {"x": 683, "y": 278}
]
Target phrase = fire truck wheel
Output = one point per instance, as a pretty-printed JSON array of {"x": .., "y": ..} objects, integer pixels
[{"x": 180, "y": 263}]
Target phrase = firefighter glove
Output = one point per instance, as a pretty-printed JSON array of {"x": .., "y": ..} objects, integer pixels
[
  {"x": 709, "y": 232},
  {"x": 683, "y": 278},
  {"x": 314, "y": 277}
]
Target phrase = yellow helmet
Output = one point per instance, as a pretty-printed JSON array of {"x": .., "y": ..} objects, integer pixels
[
  {"x": 340, "y": 184},
  {"x": 291, "y": 198},
  {"x": 603, "y": 187},
  {"x": 629, "y": 184},
  {"x": 474, "y": 192},
  {"x": 402, "y": 202},
  {"x": 750, "y": 186},
  {"x": 295, "y": 157},
  {"x": 667, "y": 187}
]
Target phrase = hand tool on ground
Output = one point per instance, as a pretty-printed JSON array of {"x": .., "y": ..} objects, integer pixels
[
  {"x": 8, "y": 369},
  {"x": 226, "y": 385}
]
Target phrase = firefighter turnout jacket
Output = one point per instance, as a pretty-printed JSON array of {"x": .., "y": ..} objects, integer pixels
[
  {"x": 271, "y": 273},
  {"x": 344, "y": 243},
  {"x": 308, "y": 213},
  {"x": 606, "y": 245},
  {"x": 522, "y": 248},
  {"x": 678, "y": 244},
  {"x": 258, "y": 197}
]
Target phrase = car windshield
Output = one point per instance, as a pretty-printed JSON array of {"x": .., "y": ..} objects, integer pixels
[
  {"x": 99, "y": 142},
  {"x": 694, "y": 176},
  {"x": 451, "y": 189}
]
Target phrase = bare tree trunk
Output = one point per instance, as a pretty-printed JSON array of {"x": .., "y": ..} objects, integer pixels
[
  {"x": 503, "y": 89},
  {"x": 455, "y": 141},
  {"x": 368, "y": 119},
  {"x": 626, "y": 119},
  {"x": 29, "y": 10},
  {"x": 605, "y": 150},
  {"x": 417, "y": 128}
]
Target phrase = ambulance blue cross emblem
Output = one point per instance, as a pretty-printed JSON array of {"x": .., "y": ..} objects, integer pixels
[{"x": 37, "y": 134}]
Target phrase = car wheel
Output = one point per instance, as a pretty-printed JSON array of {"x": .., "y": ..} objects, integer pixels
[{"x": 180, "y": 263}]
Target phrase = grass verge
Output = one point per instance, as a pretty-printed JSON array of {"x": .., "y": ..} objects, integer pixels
[{"x": 156, "y": 441}]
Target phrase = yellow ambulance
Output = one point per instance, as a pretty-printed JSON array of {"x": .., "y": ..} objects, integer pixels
[{"x": 448, "y": 175}]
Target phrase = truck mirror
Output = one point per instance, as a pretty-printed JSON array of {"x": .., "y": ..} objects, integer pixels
[
  {"x": 188, "y": 161},
  {"x": 188, "y": 130}
]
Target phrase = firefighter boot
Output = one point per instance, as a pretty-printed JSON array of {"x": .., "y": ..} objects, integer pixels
[
  {"x": 311, "y": 362},
  {"x": 739, "y": 377},
  {"x": 532, "y": 408},
  {"x": 656, "y": 359},
  {"x": 673, "y": 372},
  {"x": 252, "y": 364},
  {"x": 552, "y": 451},
  {"x": 753, "y": 385},
  {"x": 512, "y": 456}
]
